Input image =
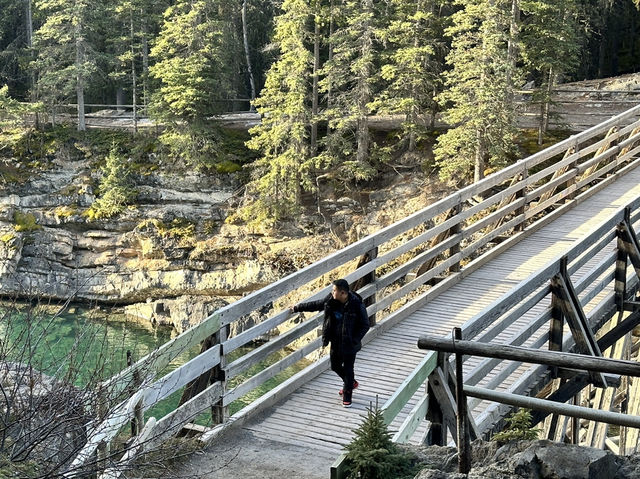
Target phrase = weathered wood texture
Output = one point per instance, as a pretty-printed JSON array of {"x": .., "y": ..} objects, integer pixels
[{"x": 555, "y": 223}]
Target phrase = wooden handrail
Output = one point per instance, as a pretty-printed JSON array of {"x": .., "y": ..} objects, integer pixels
[{"x": 404, "y": 239}]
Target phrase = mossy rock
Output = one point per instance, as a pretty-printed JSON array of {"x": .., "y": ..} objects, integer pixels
[{"x": 25, "y": 222}]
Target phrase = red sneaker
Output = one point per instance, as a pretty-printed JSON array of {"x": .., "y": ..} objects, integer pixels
[
  {"x": 355, "y": 386},
  {"x": 346, "y": 399}
]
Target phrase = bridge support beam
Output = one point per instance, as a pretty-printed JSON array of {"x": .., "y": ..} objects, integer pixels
[{"x": 567, "y": 301}]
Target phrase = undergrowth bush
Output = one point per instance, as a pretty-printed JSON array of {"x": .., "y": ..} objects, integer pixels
[
  {"x": 116, "y": 188},
  {"x": 518, "y": 428}
]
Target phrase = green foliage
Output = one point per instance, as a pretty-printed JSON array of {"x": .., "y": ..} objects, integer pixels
[
  {"x": 179, "y": 228},
  {"x": 12, "y": 111},
  {"x": 116, "y": 188},
  {"x": 194, "y": 60},
  {"x": 479, "y": 94},
  {"x": 413, "y": 63},
  {"x": 518, "y": 428},
  {"x": 66, "y": 45},
  {"x": 18, "y": 469},
  {"x": 25, "y": 222},
  {"x": 350, "y": 79},
  {"x": 372, "y": 454},
  {"x": 282, "y": 136}
]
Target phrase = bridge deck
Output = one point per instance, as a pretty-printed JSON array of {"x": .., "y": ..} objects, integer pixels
[{"x": 313, "y": 418}]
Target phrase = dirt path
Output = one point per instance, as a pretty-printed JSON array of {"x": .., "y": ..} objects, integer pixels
[{"x": 239, "y": 454}]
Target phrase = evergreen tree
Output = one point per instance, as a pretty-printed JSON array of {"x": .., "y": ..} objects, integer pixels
[
  {"x": 413, "y": 65},
  {"x": 13, "y": 44},
  {"x": 479, "y": 94},
  {"x": 195, "y": 58},
  {"x": 349, "y": 78},
  {"x": 135, "y": 21},
  {"x": 550, "y": 46},
  {"x": 372, "y": 454},
  {"x": 66, "y": 57},
  {"x": 283, "y": 137},
  {"x": 116, "y": 187}
]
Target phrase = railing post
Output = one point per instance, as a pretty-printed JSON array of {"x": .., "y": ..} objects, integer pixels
[
  {"x": 218, "y": 412},
  {"x": 455, "y": 249},
  {"x": 621, "y": 263},
  {"x": 464, "y": 452},
  {"x": 437, "y": 434},
  {"x": 368, "y": 278},
  {"x": 103, "y": 448},
  {"x": 521, "y": 193},
  {"x": 138, "y": 419}
]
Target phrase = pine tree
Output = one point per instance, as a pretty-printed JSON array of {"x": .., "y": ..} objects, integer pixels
[
  {"x": 283, "y": 136},
  {"x": 413, "y": 65},
  {"x": 372, "y": 454},
  {"x": 116, "y": 187},
  {"x": 195, "y": 58},
  {"x": 66, "y": 56},
  {"x": 479, "y": 94},
  {"x": 135, "y": 21},
  {"x": 13, "y": 43},
  {"x": 550, "y": 47},
  {"x": 349, "y": 78}
]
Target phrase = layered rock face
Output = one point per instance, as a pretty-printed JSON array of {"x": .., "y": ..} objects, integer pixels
[{"x": 135, "y": 258}]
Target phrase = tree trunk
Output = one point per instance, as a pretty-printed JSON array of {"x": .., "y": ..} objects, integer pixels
[
  {"x": 245, "y": 38},
  {"x": 134, "y": 87},
  {"x": 80, "y": 75},
  {"x": 547, "y": 102},
  {"x": 145, "y": 63},
  {"x": 314, "y": 94},
  {"x": 330, "y": 56},
  {"x": 478, "y": 171},
  {"x": 32, "y": 75},
  {"x": 512, "y": 52},
  {"x": 364, "y": 91}
]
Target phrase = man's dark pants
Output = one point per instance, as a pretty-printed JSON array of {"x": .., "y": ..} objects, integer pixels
[{"x": 342, "y": 365}]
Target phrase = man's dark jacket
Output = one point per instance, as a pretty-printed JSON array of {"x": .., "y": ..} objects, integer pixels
[{"x": 344, "y": 325}]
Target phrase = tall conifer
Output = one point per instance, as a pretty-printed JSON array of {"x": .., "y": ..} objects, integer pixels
[
  {"x": 414, "y": 61},
  {"x": 479, "y": 96},
  {"x": 551, "y": 41},
  {"x": 350, "y": 77},
  {"x": 283, "y": 135},
  {"x": 66, "y": 52},
  {"x": 195, "y": 60}
]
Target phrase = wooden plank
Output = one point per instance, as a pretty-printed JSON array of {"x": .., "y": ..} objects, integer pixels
[
  {"x": 181, "y": 376},
  {"x": 409, "y": 387},
  {"x": 273, "y": 345},
  {"x": 161, "y": 357},
  {"x": 412, "y": 422},
  {"x": 516, "y": 353},
  {"x": 544, "y": 405},
  {"x": 269, "y": 372}
]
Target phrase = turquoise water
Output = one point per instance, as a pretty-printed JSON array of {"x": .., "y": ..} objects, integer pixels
[{"x": 86, "y": 347}]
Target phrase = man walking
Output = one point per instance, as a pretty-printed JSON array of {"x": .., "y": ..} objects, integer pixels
[{"x": 345, "y": 324}]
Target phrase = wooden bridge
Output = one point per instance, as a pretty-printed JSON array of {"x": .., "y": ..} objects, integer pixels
[{"x": 530, "y": 246}]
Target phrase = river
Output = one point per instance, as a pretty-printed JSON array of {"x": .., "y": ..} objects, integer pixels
[{"x": 87, "y": 346}]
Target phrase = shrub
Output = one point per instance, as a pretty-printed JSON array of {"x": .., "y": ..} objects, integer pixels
[
  {"x": 518, "y": 428},
  {"x": 116, "y": 188},
  {"x": 25, "y": 222}
]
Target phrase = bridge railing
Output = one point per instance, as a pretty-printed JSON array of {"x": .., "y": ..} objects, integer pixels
[
  {"x": 596, "y": 289},
  {"x": 396, "y": 270}
]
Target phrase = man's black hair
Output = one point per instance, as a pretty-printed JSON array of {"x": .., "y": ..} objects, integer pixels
[{"x": 341, "y": 284}]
